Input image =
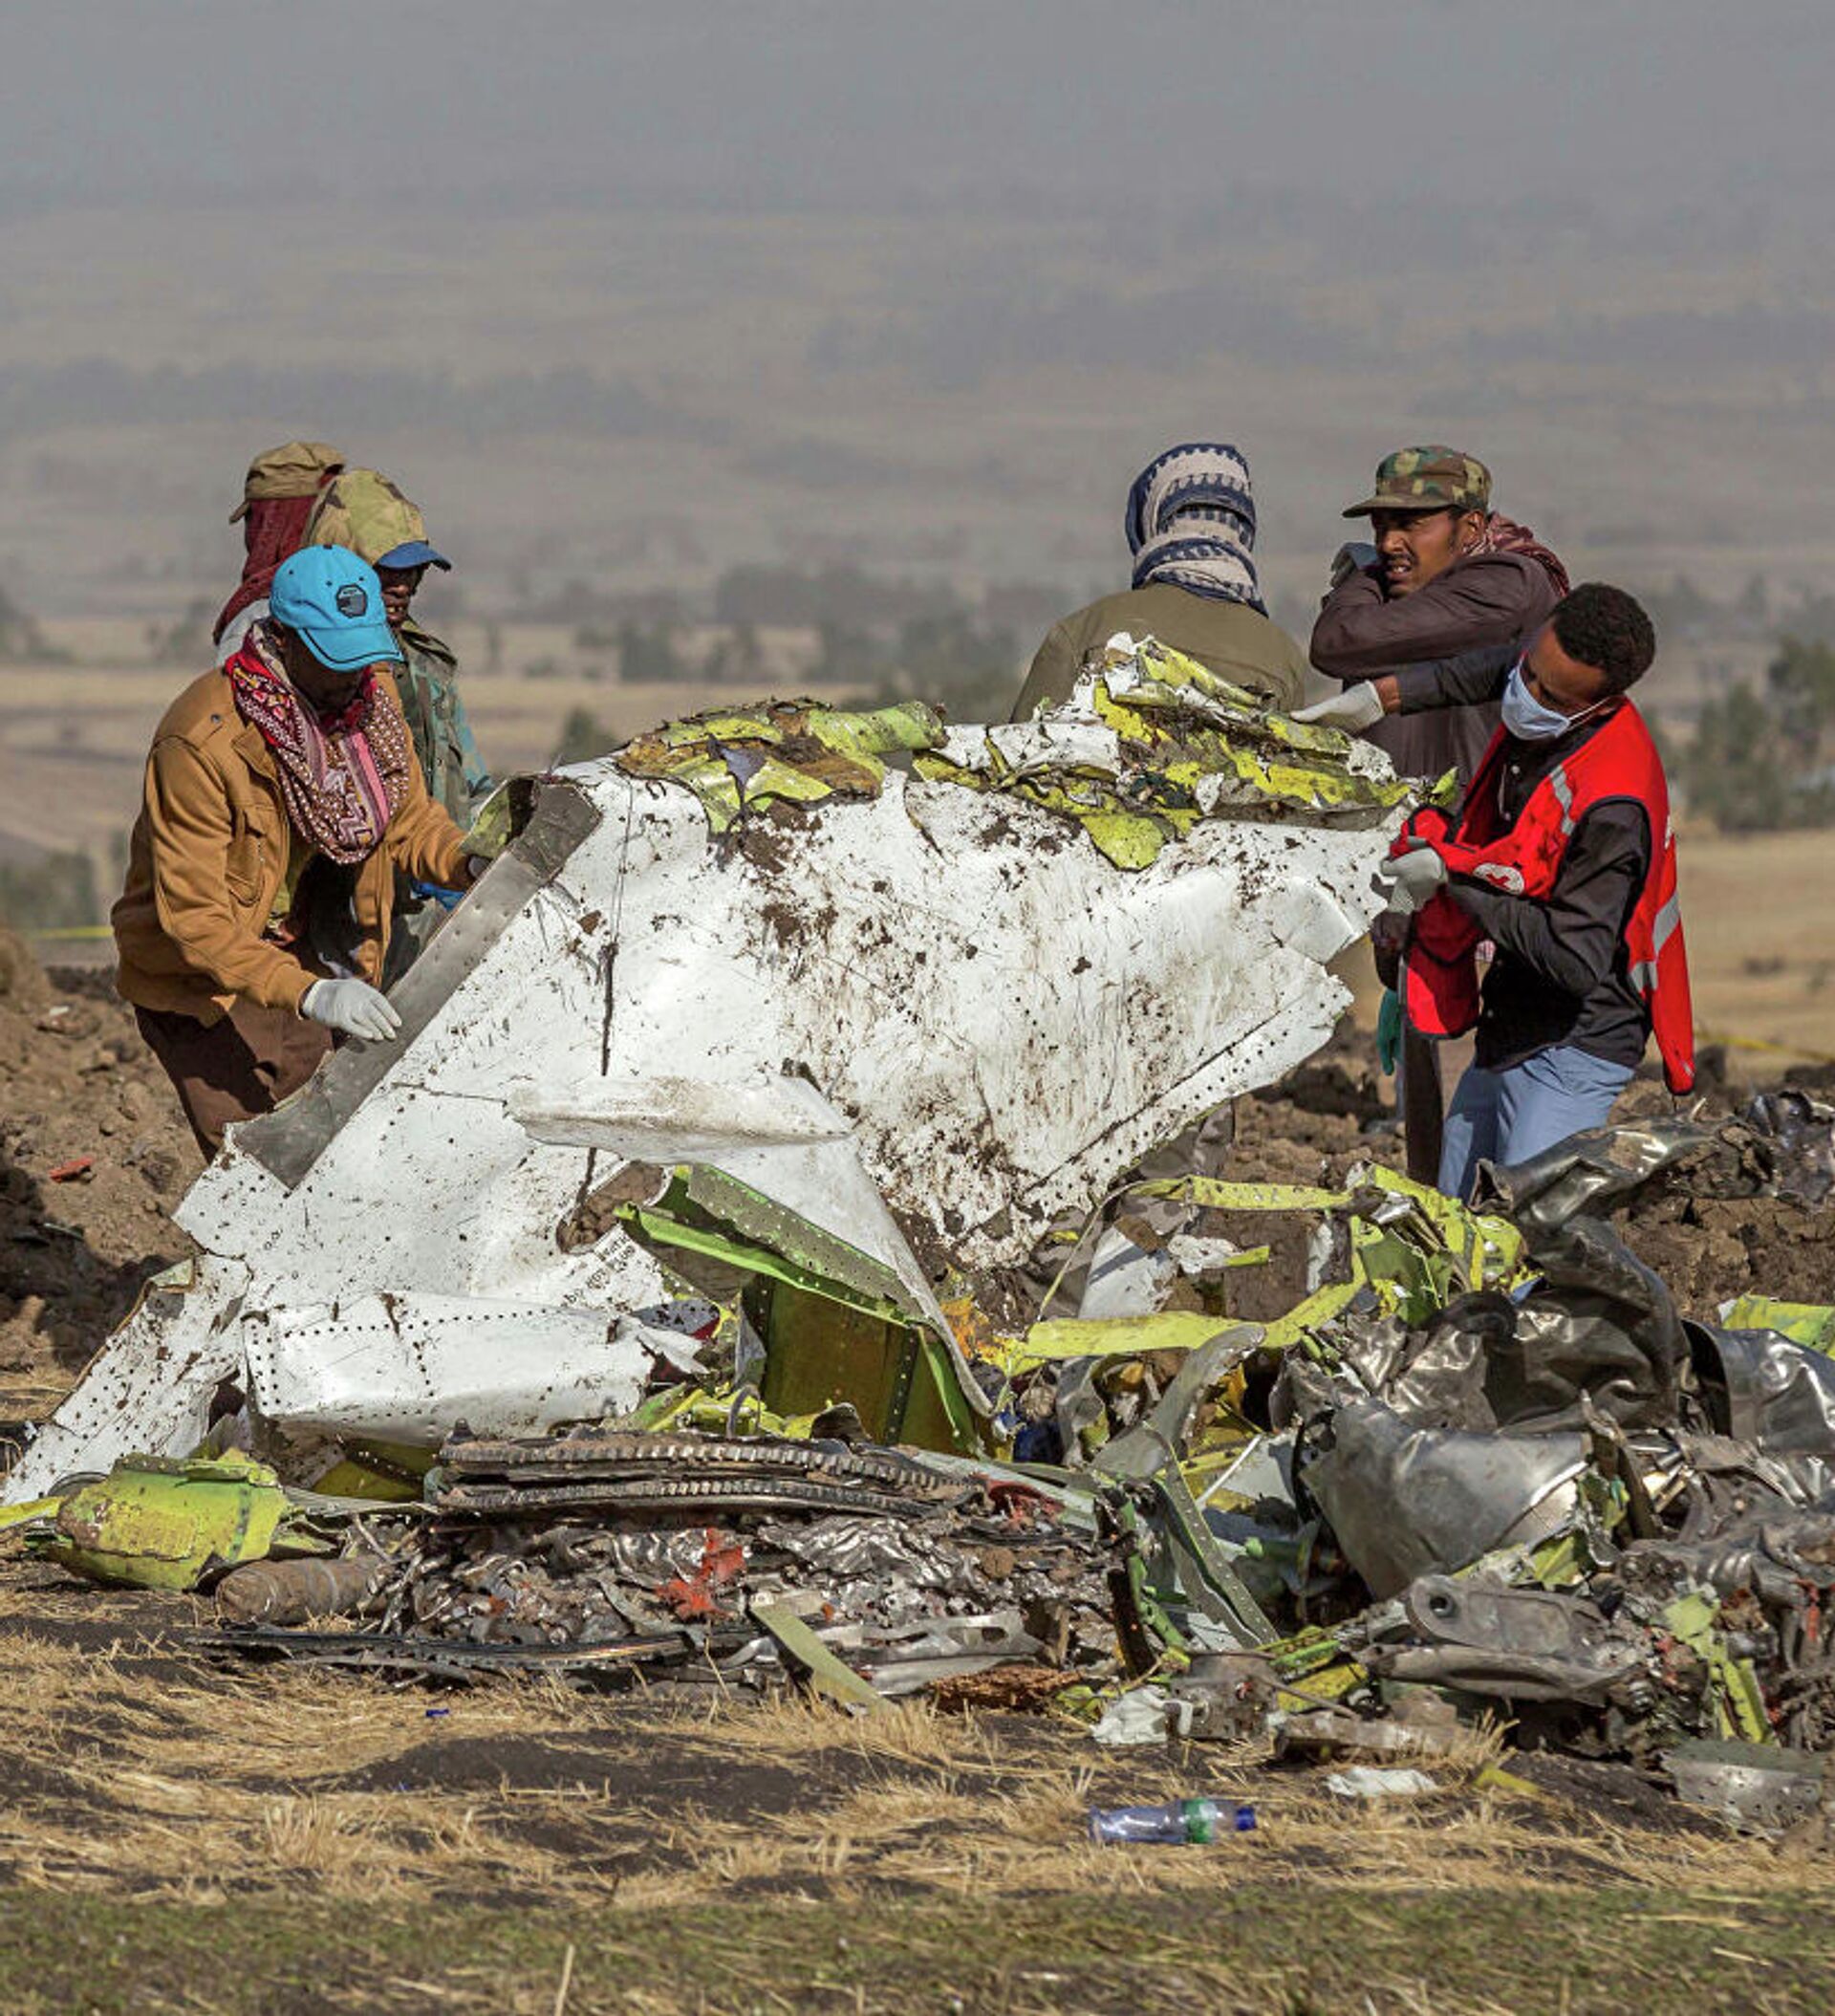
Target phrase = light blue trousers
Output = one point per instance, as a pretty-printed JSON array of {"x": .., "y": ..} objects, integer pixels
[{"x": 1507, "y": 1116}]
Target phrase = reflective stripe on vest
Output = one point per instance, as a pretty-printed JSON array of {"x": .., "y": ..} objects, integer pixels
[
  {"x": 1564, "y": 791},
  {"x": 1643, "y": 975}
]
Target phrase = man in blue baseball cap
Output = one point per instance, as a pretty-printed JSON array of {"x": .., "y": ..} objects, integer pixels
[{"x": 282, "y": 795}]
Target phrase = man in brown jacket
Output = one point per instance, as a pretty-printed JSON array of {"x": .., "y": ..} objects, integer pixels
[
  {"x": 283, "y": 779},
  {"x": 1446, "y": 574}
]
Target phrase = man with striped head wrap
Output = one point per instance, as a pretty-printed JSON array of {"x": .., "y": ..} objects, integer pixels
[{"x": 1191, "y": 530}]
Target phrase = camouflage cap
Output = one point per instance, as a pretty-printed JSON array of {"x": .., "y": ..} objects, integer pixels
[
  {"x": 294, "y": 469},
  {"x": 363, "y": 511},
  {"x": 1429, "y": 479}
]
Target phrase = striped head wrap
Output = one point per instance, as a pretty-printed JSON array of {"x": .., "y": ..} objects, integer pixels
[{"x": 1191, "y": 523}]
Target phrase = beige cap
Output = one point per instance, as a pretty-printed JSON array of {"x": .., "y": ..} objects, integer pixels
[{"x": 296, "y": 468}]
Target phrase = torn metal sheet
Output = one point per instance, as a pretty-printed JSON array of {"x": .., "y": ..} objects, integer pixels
[
  {"x": 1152, "y": 742},
  {"x": 1762, "y": 1388},
  {"x": 1756, "y": 1787},
  {"x": 994, "y": 1021},
  {"x": 442, "y": 1658},
  {"x": 403, "y": 1367},
  {"x": 825, "y": 1674},
  {"x": 1520, "y": 1645}
]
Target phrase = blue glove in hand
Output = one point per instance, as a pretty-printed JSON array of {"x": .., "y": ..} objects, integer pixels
[{"x": 1353, "y": 556}]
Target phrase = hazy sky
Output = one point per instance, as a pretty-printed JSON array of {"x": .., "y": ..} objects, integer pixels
[
  {"x": 920, "y": 282},
  {"x": 1654, "y": 107}
]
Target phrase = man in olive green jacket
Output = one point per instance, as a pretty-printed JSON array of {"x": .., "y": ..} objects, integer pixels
[
  {"x": 1191, "y": 528},
  {"x": 363, "y": 511}
]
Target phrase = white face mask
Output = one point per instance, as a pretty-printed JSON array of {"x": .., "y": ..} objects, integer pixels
[{"x": 1531, "y": 720}]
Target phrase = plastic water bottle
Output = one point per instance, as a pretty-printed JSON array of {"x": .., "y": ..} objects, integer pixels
[{"x": 1183, "y": 1823}]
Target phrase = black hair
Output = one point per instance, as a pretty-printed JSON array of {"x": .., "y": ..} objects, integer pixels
[{"x": 1603, "y": 627}]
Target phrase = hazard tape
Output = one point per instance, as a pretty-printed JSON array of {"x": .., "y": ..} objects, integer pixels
[{"x": 1765, "y": 1043}]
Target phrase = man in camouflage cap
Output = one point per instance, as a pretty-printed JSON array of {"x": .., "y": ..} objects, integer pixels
[
  {"x": 363, "y": 511},
  {"x": 1431, "y": 479},
  {"x": 1445, "y": 574}
]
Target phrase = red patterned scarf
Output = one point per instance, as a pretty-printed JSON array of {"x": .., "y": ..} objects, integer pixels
[
  {"x": 1504, "y": 535},
  {"x": 341, "y": 775},
  {"x": 272, "y": 532}
]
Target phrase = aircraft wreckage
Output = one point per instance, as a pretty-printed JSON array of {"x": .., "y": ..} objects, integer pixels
[
  {"x": 685, "y": 1292},
  {"x": 748, "y": 995}
]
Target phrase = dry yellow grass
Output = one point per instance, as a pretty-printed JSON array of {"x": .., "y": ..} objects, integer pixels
[
  {"x": 737, "y": 1856},
  {"x": 186, "y": 1782}
]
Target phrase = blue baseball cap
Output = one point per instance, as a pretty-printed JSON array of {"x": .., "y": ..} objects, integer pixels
[
  {"x": 335, "y": 601},
  {"x": 413, "y": 553}
]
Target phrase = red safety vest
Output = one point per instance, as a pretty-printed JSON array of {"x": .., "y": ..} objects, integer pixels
[{"x": 1440, "y": 988}]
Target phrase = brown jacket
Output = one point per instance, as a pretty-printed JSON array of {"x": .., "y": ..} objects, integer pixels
[
  {"x": 1490, "y": 599},
  {"x": 209, "y": 853},
  {"x": 1229, "y": 638}
]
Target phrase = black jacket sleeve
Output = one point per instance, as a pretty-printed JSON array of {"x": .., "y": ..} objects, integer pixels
[
  {"x": 1573, "y": 937},
  {"x": 1466, "y": 679}
]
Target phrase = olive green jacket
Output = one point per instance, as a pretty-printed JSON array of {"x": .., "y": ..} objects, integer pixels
[
  {"x": 428, "y": 686},
  {"x": 1229, "y": 638}
]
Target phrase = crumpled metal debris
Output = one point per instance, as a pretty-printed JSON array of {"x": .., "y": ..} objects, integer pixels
[
  {"x": 1403, "y": 1501},
  {"x": 164, "y": 1524},
  {"x": 1152, "y": 741},
  {"x": 735, "y": 1561},
  {"x": 710, "y": 1348},
  {"x": 791, "y": 753},
  {"x": 750, "y": 1013}
]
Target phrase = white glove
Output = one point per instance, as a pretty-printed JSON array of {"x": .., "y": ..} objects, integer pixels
[
  {"x": 1357, "y": 707},
  {"x": 353, "y": 1006},
  {"x": 1353, "y": 556},
  {"x": 1409, "y": 882}
]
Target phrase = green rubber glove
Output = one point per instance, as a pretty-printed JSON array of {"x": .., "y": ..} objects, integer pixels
[{"x": 1389, "y": 1033}]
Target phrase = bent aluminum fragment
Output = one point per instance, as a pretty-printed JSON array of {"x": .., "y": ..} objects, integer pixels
[
  {"x": 1405, "y": 1501},
  {"x": 827, "y": 1674},
  {"x": 154, "y": 1524},
  {"x": 409, "y": 1367},
  {"x": 1765, "y": 1389},
  {"x": 1754, "y": 1786}
]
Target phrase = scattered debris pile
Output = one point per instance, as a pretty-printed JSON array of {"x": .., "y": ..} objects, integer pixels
[
  {"x": 728, "y": 1561},
  {"x": 833, "y": 1334},
  {"x": 883, "y": 1093}
]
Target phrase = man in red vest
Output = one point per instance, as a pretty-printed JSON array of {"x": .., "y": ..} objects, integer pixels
[{"x": 1562, "y": 855}]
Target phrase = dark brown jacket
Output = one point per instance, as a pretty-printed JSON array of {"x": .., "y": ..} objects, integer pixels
[
  {"x": 1235, "y": 642},
  {"x": 1490, "y": 599}
]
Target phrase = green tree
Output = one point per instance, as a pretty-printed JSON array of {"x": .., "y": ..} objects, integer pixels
[
  {"x": 584, "y": 736},
  {"x": 647, "y": 655},
  {"x": 1764, "y": 761}
]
